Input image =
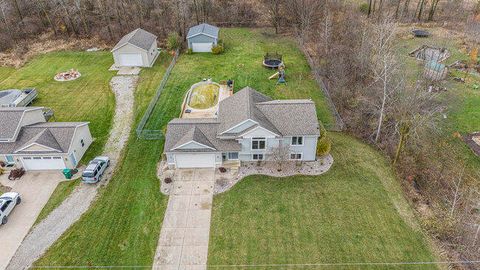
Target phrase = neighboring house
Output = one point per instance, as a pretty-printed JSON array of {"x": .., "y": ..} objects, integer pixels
[
  {"x": 136, "y": 49},
  {"x": 249, "y": 127},
  {"x": 28, "y": 141},
  {"x": 202, "y": 37}
]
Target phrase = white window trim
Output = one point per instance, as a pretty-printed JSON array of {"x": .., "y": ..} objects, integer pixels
[
  {"x": 303, "y": 140},
  {"x": 258, "y": 139},
  {"x": 263, "y": 156},
  {"x": 228, "y": 156},
  {"x": 294, "y": 153}
]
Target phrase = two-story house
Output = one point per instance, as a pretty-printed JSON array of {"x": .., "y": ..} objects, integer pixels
[
  {"x": 28, "y": 141},
  {"x": 249, "y": 126}
]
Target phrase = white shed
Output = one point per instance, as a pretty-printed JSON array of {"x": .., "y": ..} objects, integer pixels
[{"x": 136, "y": 49}]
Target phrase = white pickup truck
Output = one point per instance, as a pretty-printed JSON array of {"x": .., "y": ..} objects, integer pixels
[{"x": 8, "y": 201}]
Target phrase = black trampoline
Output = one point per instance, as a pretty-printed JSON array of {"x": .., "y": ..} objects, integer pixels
[
  {"x": 420, "y": 33},
  {"x": 272, "y": 60}
]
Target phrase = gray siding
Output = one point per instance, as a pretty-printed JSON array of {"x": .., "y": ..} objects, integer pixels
[{"x": 201, "y": 39}]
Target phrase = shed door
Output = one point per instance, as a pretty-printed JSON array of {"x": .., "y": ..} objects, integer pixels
[
  {"x": 202, "y": 47},
  {"x": 195, "y": 160},
  {"x": 131, "y": 59},
  {"x": 43, "y": 163}
]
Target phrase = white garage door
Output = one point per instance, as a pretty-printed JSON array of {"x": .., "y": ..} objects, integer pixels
[
  {"x": 202, "y": 47},
  {"x": 131, "y": 59},
  {"x": 43, "y": 163},
  {"x": 195, "y": 160}
]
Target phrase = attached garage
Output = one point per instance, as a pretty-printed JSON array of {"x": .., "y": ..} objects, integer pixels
[
  {"x": 43, "y": 163},
  {"x": 195, "y": 160},
  {"x": 202, "y": 37},
  {"x": 130, "y": 59}
]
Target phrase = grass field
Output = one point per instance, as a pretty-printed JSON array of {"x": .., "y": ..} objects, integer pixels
[
  {"x": 277, "y": 217},
  {"x": 353, "y": 213},
  {"x": 88, "y": 98},
  {"x": 242, "y": 62},
  {"x": 122, "y": 226},
  {"x": 204, "y": 96}
]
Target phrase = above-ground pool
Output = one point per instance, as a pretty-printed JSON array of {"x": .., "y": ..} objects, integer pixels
[{"x": 203, "y": 95}]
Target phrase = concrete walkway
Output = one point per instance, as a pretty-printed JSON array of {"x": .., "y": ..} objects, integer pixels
[
  {"x": 76, "y": 204},
  {"x": 183, "y": 242},
  {"x": 35, "y": 189}
]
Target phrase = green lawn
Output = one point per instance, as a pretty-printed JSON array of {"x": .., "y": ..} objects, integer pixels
[
  {"x": 242, "y": 62},
  {"x": 123, "y": 225},
  {"x": 350, "y": 214},
  {"x": 60, "y": 193},
  {"x": 88, "y": 98},
  {"x": 269, "y": 220}
]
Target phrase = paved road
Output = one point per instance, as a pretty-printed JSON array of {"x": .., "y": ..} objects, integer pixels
[
  {"x": 35, "y": 189},
  {"x": 183, "y": 242}
]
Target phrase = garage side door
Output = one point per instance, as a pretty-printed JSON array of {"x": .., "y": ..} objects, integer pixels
[
  {"x": 195, "y": 160},
  {"x": 202, "y": 47},
  {"x": 43, "y": 163},
  {"x": 131, "y": 59}
]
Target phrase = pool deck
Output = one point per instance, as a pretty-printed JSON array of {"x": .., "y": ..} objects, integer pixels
[{"x": 224, "y": 92}]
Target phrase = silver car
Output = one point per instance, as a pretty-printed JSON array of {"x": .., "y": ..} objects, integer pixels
[
  {"x": 8, "y": 201},
  {"x": 95, "y": 170}
]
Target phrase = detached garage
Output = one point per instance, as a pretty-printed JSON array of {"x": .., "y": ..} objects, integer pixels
[
  {"x": 136, "y": 49},
  {"x": 202, "y": 37}
]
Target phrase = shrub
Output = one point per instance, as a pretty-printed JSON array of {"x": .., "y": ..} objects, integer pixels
[
  {"x": 222, "y": 169},
  {"x": 167, "y": 180},
  {"x": 16, "y": 173},
  {"x": 217, "y": 49},
  {"x": 324, "y": 146},
  {"x": 189, "y": 51},
  {"x": 364, "y": 8},
  {"x": 173, "y": 41},
  {"x": 2, "y": 164}
]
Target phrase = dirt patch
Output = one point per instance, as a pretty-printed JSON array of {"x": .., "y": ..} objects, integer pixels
[{"x": 44, "y": 44}]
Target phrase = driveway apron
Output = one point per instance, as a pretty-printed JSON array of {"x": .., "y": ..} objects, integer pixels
[
  {"x": 35, "y": 189},
  {"x": 183, "y": 242}
]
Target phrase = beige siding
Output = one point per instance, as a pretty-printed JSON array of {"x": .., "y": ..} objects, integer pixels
[{"x": 147, "y": 57}]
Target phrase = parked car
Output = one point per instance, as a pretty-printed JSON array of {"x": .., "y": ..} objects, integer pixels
[
  {"x": 8, "y": 201},
  {"x": 95, "y": 170}
]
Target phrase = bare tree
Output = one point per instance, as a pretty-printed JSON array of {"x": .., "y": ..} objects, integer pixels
[
  {"x": 274, "y": 12},
  {"x": 279, "y": 154}
]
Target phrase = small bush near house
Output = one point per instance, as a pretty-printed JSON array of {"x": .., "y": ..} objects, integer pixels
[
  {"x": 364, "y": 8},
  {"x": 222, "y": 169},
  {"x": 16, "y": 173},
  {"x": 173, "y": 41},
  {"x": 168, "y": 180},
  {"x": 324, "y": 146},
  {"x": 217, "y": 49},
  {"x": 189, "y": 51}
]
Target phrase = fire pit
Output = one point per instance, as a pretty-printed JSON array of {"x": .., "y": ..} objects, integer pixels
[
  {"x": 70, "y": 75},
  {"x": 272, "y": 60}
]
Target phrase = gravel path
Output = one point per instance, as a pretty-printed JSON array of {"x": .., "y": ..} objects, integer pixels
[{"x": 60, "y": 219}]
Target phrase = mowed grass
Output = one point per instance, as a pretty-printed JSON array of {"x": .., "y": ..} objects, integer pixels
[
  {"x": 204, "y": 96},
  {"x": 88, "y": 98},
  {"x": 242, "y": 62},
  {"x": 123, "y": 224},
  {"x": 355, "y": 213},
  {"x": 60, "y": 193}
]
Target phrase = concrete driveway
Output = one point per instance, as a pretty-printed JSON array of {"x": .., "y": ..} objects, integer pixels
[
  {"x": 183, "y": 242},
  {"x": 35, "y": 189}
]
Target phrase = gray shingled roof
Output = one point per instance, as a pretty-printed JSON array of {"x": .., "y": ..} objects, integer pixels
[
  {"x": 182, "y": 130},
  {"x": 10, "y": 118},
  {"x": 203, "y": 28},
  {"x": 56, "y": 135},
  {"x": 283, "y": 117},
  {"x": 139, "y": 38}
]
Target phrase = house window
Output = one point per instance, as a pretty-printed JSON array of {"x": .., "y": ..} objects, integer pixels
[
  {"x": 297, "y": 140},
  {"x": 233, "y": 155},
  {"x": 257, "y": 156},
  {"x": 295, "y": 156},
  {"x": 82, "y": 142},
  {"x": 258, "y": 143}
]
